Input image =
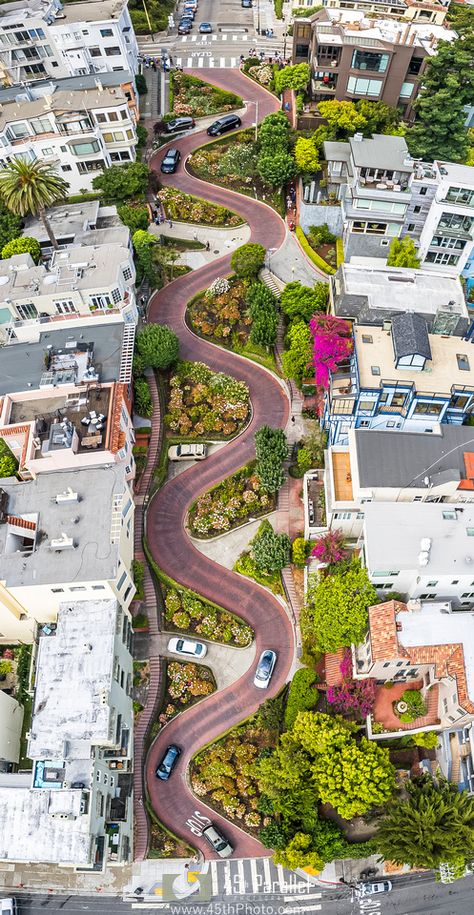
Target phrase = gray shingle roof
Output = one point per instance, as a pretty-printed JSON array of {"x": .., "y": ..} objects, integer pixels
[
  {"x": 410, "y": 336},
  {"x": 404, "y": 459}
]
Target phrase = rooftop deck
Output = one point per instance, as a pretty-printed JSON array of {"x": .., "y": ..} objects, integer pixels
[{"x": 342, "y": 476}]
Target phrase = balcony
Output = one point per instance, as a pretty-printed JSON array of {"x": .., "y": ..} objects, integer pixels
[{"x": 397, "y": 410}]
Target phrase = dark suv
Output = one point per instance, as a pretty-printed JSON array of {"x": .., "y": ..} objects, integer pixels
[
  {"x": 170, "y": 161},
  {"x": 228, "y": 122},
  {"x": 167, "y": 764},
  {"x": 184, "y": 123}
]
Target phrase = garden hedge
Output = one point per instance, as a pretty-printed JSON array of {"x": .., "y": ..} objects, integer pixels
[
  {"x": 339, "y": 252},
  {"x": 317, "y": 260},
  {"x": 302, "y": 696}
]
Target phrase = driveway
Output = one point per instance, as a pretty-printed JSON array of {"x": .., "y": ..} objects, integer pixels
[{"x": 173, "y": 801}]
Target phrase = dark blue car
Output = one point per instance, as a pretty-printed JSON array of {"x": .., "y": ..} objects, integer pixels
[{"x": 168, "y": 762}]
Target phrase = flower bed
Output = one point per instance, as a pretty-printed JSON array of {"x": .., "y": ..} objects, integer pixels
[
  {"x": 189, "y": 613},
  {"x": 223, "y": 774},
  {"x": 220, "y": 313},
  {"x": 195, "y": 97},
  {"x": 186, "y": 683},
  {"x": 232, "y": 163},
  {"x": 204, "y": 403},
  {"x": 246, "y": 565},
  {"x": 230, "y": 504},
  {"x": 186, "y": 208}
]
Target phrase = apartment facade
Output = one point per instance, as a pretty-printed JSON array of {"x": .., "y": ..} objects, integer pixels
[
  {"x": 354, "y": 56},
  {"x": 44, "y": 38},
  {"x": 74, "y": 809},
  {"x": 80, "y": 133},
  {"x": 89, "y": 282},
  {"x": 400, "y": 378},
  {"x": 63, "y": 533}
]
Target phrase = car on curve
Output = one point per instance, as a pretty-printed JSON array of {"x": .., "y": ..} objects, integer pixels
[{"x": 188, "y": 647}]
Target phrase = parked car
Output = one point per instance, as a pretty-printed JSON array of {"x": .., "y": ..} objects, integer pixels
[
  {"x": 170, "y": 161},
  {"x": 205, "y": 28},
  {"x": 185, "y": 26},
  {"x": 217, "y": 841},
  {"x": 167, "y": 764},
  {"x": 228, "y": 122},
  {"x": 189, "y": 13},
  {"x": 265, "y": 667},
  {"x": 8, "y": 906},
  {"x": 184, "y": 123},
  {"x": 247, "y": 4},
  {"x": 188, "y": 647},
  {"x": 372, "y": 889},
  {"x": 193, "y": 4},
  {"x": 187, "y": 451}
]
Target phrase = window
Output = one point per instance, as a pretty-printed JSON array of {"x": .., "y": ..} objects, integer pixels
[
  {"x": 101, "y": 301},
  {"x": 360, "y": 86},
  {"x": 94, "y": 165},
  {"x": 36, "y": 69},
  {"x": 365, "y": 424},
  {"x": 407, "y": 90},
  {"x": 455, "y": 581},
  {"x": 121, "y": 156},
  {"x": 463, "y": 362},
  {"x": 113, "y": 116},
  {"x": 366, "y": 338},
  {"x": 78, "y": 588},
  {"x": 57, "y": 590},
  {"x": 449, "y": 515},
  {"x": 26, "y": 312},
  {"x": 470, "y": 531},
  {"x": 423, "y": 191},
  {"x": 301, "y": 50},
  {"x": 98, "y": 587},
  {"x": 17, "y": 131},
  {"x": 434, "y": 257},
  {"x": 367, "y": 405},
  {"x": 431, "y": 584},
  {"x": 106, "y": 33},
  {"x": 427, "y": 409},
  {"x": 417, "y": 209},
  {"x": 101, "y": 118},
  {"x": 127, "y": 273},
  {"x": 85, "y": 148},
  {"x": 411, "y": 227},
  {"x": 112, "y": 52},
  {"x": 95, "y": 52},
  {"x": 65, "y": 307},
  {"x": 415, "y": 66},
  {"x": 369, "y": 60},
  {"x": 66, "y": 168},
  {"x": 375, "y": 369},
  {"x": 460, "y": 195},
  {"x": 121, "y": 580},
  {"x": 41, "y": 125}
]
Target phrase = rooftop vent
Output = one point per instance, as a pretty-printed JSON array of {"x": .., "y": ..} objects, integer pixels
[
  {"x": 62, "y": 543},
  {"x": 67, "y": 496}
]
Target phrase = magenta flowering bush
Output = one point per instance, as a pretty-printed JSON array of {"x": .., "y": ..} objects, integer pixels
[
  {"x": 355, "y": 698},
  {"x": 330, "y": 547},
  {"x": 332, "y": 342}
]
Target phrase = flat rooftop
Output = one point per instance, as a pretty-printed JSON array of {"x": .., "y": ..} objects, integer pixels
[
  {"x": 61, "y": 102},
  {"x": 22, "y": 365},
  {"x": 49, "y": 85},
  {"x": 43, "y": 826},
  {"x": 406, "y": 459},
  {"x": 400, "y": 289},
  {"x": 380, "y": 151},
  {"x": 357, "y": 25},
  {"x": 91, "y": 11},
  {"x": 86, "y": 224},
  {"x": 393, "y": 533},
  {"x": 80, "y": 652},
  {"x": 87, "y": 268},
  {"x": 27, "y": 557},
  {"x": 464, "y": 174},
  {"x": 442, "y": 370}
]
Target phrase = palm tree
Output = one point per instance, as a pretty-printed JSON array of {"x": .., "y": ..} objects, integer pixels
[{"x": 30, "y": 187}]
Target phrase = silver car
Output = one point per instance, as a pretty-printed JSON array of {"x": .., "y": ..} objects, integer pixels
[
  {"x": 265, "y": 667},
  {"x": 373, "y": 889},
  {"x": 217, "y": 841},
  {"x": 188, "y": 647},
  {"x": 187, "y": 451}
]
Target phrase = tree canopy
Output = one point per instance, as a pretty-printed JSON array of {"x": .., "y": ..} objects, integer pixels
[
  {"x": 271, "y": 449},
  {"x": 295, "y": 77},
  {"x": 270, "y": 551},
  {"x": 157, "y": 347},
  {"x": 346, "y": 118},
  {"x": 121, "y": 181},
  {"x": 10, "y": 225},
  {"x": 402, "y": 253},
  {"x": 30, "y": 187},
  {"x": 336, "y": 610},
  {"x": 247, "y": 260},
  {"x": 22, "y": 245},
  {"x": 306, "y": 155},
  {"x": 298, "y": 301},
  {"x": 262, "y": 310},
  {"x": 8, "y": 462},
  {"x": 432, "y": 826},
  {"x": 276, "y": 168},
  {"x": 296, "y": 360}
]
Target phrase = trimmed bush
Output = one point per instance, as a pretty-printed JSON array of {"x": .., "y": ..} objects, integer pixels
[
  {"x": 23, "y": 245},
  {"x": 317, "y": 260},
  {"x": 302, "y": 696},
  {"x": 339, "y": 252}
]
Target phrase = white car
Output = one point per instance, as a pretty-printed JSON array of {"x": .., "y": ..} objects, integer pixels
[
  {"x": 187, "y": 451},
  {"x": 188, "y": 647},
  {"x": 372, "y": 889},
  {"x": 263, "y": 673},
  {"x": 8, "y": 906}
]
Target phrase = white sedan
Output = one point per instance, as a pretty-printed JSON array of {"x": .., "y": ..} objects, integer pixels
[
  {"x": 187, "y": 647},
  {"x": 187, "y": 451}
]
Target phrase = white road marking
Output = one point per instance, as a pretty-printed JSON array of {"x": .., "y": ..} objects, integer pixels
[
  {"x": 241, "y": 876},
  {"x": 211, "y": 62},
  {"x": 193, "y": 37},
  {"x": 256, "y": 880},
  {"x": 235, "y": 37},
  {"x": 201, "y": 62},
  {"x": 215, "y": 883},
  {"x": 227, "y": 879},
  {"x": 222, "y": 62},
  {"x": 304, "y": 897},
  {"x": 267, "y": 874},
  {"x": 223, "y": 37},
  {"x": 190, "y": 62},
  {"x": 233, "y": 61}
]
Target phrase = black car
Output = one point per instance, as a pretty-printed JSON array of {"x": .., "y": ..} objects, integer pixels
[
  {"x": 167, "y": 764},
  {"x": 171, "y": 161},
  {"x": 185, "y": 26},
  {"x": 228, "y": 122},
  {"x": 184, "y": 123}
]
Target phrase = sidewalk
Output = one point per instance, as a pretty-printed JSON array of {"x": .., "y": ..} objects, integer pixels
[
  {"x": 222, "y": 241},
  {"x": 289, "y": 263}
]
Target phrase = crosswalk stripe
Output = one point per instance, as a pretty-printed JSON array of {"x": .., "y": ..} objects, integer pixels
[
  {"x": 241, "y": 877},
  {"x": 179, "y": 61},
  {"x": 201, "y": 62},
  {"x": 214, "y": 880},
  {"x": 267, "y": 875},
  {"x": 222, "y": 61},
  {"x": 233, "y": 61},
  {"x": 254, "y": 875},
  {"x": 234, "y": 37},
  {"x": 281, "y": 878},
  {"x": 184, "y": 38},
  {"x": 227, "y": 880},
  {"x": 211, "y": 62},
  {"x": 190, "y": 62},
  {"x": 214, "y": 37},
  {"x": 223, "y": 37}
]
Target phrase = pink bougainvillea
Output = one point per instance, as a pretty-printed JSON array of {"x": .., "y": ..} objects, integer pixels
[
  {"x": 332, "y": 342},
  {"x": 330, "y": 548},
  {"x": 354, "y": 698}
]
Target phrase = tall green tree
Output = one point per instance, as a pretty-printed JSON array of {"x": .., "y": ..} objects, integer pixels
[
  {"x": 402, "y": 253},
  {"x": 295, "y": 77},
  {"x": 247, "y": 260},
  {"x": 22, "y": 245},
  {"x": 434, "y": 825},
  {"x": 298, "y": 301},
  {"x": 10, "y": 225},
  {"x": 276, "y": 168},
  {"x": 270, "y": 551},
  {"x": 336, "y": 610},
  {"x": 297, "y": 358},
  {"x": 31, "y": 187},
  {"x": 122, "y": 181},
  {"x": 157, "y": 347},
  {"x": 307, "y": 155},
  {"x": 262, "y": 310}
]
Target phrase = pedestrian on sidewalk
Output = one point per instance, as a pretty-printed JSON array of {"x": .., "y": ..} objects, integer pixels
[
  {"x": 195, "y": 236},
  {"x": 170, "y": 223},
  {"x": 208, "y": 247}
]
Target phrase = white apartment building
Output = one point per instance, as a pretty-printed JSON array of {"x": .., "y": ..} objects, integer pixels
[
  {"x": 77, "y": 283},
  {"x": 447, "y": 237},
  {"x": 75, "y": 808},
  {"x": 81, "y": 133},
  {"x": 43, "y": 38},
  {"x": 65, "y": 533},
  {"x": 423, "y": 551}
]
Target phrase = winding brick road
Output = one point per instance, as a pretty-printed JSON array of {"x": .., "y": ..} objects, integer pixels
[{"x": 173, "y": 801}]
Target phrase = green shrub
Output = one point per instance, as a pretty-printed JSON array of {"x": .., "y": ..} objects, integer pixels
[
  {"x": 140, "y": 83},
  {"x": 142, "y": 398},
  {"x": 321, "y": 235},
  {"x": 140, "y": 621},
  {"x": 8, "y": 462},
  {"x": 302, "y": 696},
  {"x": 6, "y": 668},
  {"x": 300, "y": 551},
  {"x": 23, "y": 245},
  {"x": 317, "y": 260},
  {"x": 427, "y": 739},
  {"x": 339, "y": 252},
  {"x": 416, "y": 705},
  {"x": 134, "y": 217},
  {"x": 138, "y": 575}
]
